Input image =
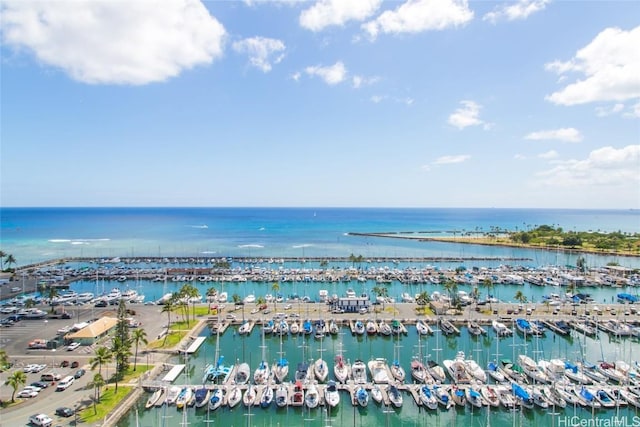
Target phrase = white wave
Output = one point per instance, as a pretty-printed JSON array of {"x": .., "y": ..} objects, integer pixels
[
  {"x": 208, "y": 252},
  {"x": 305, "y": 245},
  {"x": 59, "y": 240},
  {"x": 79, "y": 243},
  {"x": 251, "y": 246},
  {"x": 200, "y": 226},
  {"x": 261, "y": 229}
]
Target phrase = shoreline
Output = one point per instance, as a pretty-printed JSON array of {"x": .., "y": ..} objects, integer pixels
[{"x": 485, "y": 241}]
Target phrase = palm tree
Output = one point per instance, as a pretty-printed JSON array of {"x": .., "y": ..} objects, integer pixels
[
  {"x": 138, "y": 336},
  {"x": 98, "y": 383},
  {"x": 168, "y": 307},
  {"x": 15, "y": 380},
  {"x": 122, "y": 352},
  {"x": 4, "y": 359},
  {"x": 488, "y": 283},
  {"x": 53, "y": 292},
  {"x": 2, "y": 255},
  {"x": 10, "y": 260},
  {"x": 30, "y": 303},
  {"x": 380, "y": 291},
  {"x": 275, "y": 288},
  {"x": 212, "y": 293},
  {"x": 520, "y": 297},
  {"x": 451, "y": 287},
  {"x": 102, "y": 356}
]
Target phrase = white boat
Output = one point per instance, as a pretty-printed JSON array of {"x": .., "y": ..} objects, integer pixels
[
  {"x": 312, "y": 397},
  {"x": 294, "y": 328},
  {"x": 250, "y": 299},
  {"x": 282, "y": 396},
  {"x": 151, "y": 401},
  {"x": 442, "y": 395},
  {"x": 261, "y": 374},
  {"x": 331, "y": 394},
  {"x": 418, "y": 371},
  {"x": 423, "y": 328},
  {"x": 532, "y": 370},
  {"x": 427, "y": 398},
  {"x": 184, "y": 397},
  {"x": 173, "y": 394},
  {"x": 436, "y": 371},
  {"x": 242, "y": 373},
  {"x": 609, "y": 370},
  {"x": 359, "y": 328},
  {"x": 217, "y": 396},
  {"x": 630, "y": 398},
  {"x": 341, "y": 369},
  {"x": 539, "y": 399},
  {"x": 334, "y": 329},
  {"x": 379, "y": 371},
  {"x": 457, "y": 369},
  {"x": 376, "y": 393},
  {"x": 474, "y": 397},
  {"x": 384, "y": 328},
  {"x": 222, "y": 297},
  {"x": 554, "y": 397},
  {"x": 490, "y": 396},
  {"x": 397, "y": 371},
  {"x": 476, "y": 372},
  {"x": 507, "y": 400},
  {"x": 359, "y": 372},
  {"x": 321, "y": 370},
  {"x": 234, "y": 397},
  {"x": 245, "y": 328},
  {"x": 250, "y": 395},
  {"x": 395, "y": 396},
  {"x": 162, "y": 398},
  {"x": 495, "y": 373},
  {"x": 500, "y": 328}
]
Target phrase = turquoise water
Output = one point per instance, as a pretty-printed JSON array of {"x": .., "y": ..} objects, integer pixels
[{"x": 235, "y": 347}]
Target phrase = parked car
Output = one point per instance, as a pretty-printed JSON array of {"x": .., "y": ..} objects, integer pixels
[
  {"x": 101, "y": 303},
  {"x": 40, "y": 384},
  {"x": 73, "y": 346},
  {"x": 27, "y": 392},
  {"x": 64, "y": 363},
  {"x": 75, "y": 364},
  {"x": 79, "y": 373},
  {"x": 64, "y": 411},
  {"x": 40, "y": 420}
]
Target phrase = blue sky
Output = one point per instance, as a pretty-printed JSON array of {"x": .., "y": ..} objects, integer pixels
[{"x": 418, "y": 103}]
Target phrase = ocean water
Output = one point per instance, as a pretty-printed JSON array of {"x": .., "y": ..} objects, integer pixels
[
  {"x": 37, "y": 234},
  {"x": 34, "y": 235}
]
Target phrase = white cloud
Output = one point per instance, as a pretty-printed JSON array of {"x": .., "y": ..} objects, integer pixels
[
  {"x": 467, "y": 115},
  {"x": 262, "y": 51},
  {"x": 515, "y": 11},
  {"x": 415, "y": 16},
  {"x": 296, "y": 76},
  {"x": 359, "y": 81},
  {"x": 562, "y": 134},
  {"x": 376, "y": 99},
  {"x": 332, "y": 74},
  {"x": 635, "y": 111},
  {"x": 446, "y": 160},
  {"x": 610, "y": 65},
  {"x": 519, "y": 157},
  {"x": 325, "y": 13},
  {"x": 608, "y": 111},
  {"x": 606, "y": 166},
  {"x": 107, "y": 42},
  {"x": 551, "y": 154}
]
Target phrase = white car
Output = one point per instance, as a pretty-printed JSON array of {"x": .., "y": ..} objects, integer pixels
[
  {"x": 73, "y": 346},
  {"x": 27, "y": 392},
  {"x": 40, "y": 420}
]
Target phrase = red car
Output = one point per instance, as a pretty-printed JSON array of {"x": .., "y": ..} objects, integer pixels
[{"x": 64, "y": 363}]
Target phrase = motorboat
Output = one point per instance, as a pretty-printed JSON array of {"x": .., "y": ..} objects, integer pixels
[
  {"x": 371, "y": 328},
  {"x": 458, "y": 396},
  {"x": 501, "y": 329},
  {"x": 474, "y": 397},
  {"x": 384, "y": 328},
  {"x": 302, "y": 373},
  {"x": 436, "y": 371},
  {"x": 359, "y": 328},
  {"x": 475, "y": 371},
  {"x": 443, "y": 397},
  {"x": 307, "y": 327},
  {"x": 532, "y": 370},
  {"x": 359, "y": 372},
  {"x": 521, "y": 395},
  {"x": 447, "y": 327},
  {"x": 494, "y": 372},
  {"x": 395, "y": 396},
  {"x": 418, "y": 371},
  {"x": 506, "y": 397},
  {"x": 331, "y": 394},
  {"x": 423, "y": 328},
  {"x": 294, "y": 328},
  {"x": 333, "y": 328},
  {"x": 457, "y": 369},
  {"x": 298, "y": 395},
  {"x": 475, "y": 329},
  {"x": 379, "y": 371},
  {"x": 490, "y": 396},
  {"x": 376, "y": 393},
  {"x": 312, "y": 397},
  {"x": 217, "y": 395},
  {"x": 282, "y": 396},
  {"x": 245, "y": 328}
]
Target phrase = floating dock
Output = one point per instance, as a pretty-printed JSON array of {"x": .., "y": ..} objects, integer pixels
[
  {"x": 173, "y": 373},
  {"x": 195, "y": 345}
]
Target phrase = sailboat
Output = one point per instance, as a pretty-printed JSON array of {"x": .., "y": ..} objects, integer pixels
[
  {"x": 397, "y": 371},
  {"x": 282, "y": 395},
  {"x": 331, "y": 394},
  {"x": 281, "y": 367},
  {"x": 213, "y": 372},
  {"x": 320, "y": 367},
  {"x": 262, "y": 373}
]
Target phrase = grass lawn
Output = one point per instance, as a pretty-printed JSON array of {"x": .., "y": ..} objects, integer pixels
[
  {"x": 172, "y": 340},
  {"x": 108, "y": 400},
  {"x": 131, "y": 374}
]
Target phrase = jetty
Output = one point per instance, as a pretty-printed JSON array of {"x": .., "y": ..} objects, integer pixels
[{"x": 173, "y": 373}]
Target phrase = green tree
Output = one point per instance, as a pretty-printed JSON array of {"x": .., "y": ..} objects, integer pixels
[
  {"x": 121, "y": 353},
  {"x": 520, "y": 297},
  {"x": 275, "y": 288},
  {"x": 488, "y": 283},
  {"x": 212, "y": 293},
  {"x": 138, "y": 336},
  {"x": 168, "y": 307},
  {"x": 98, "y": 383},
  {"x": 15, "y": 380},
  {"x": 4, "y": 359},
  {"x": 2, "y": 255},
  {"x": 10, "y": 259},
  {"x": 102, "y": 356},
  {"x": 452, "y": 289}
]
